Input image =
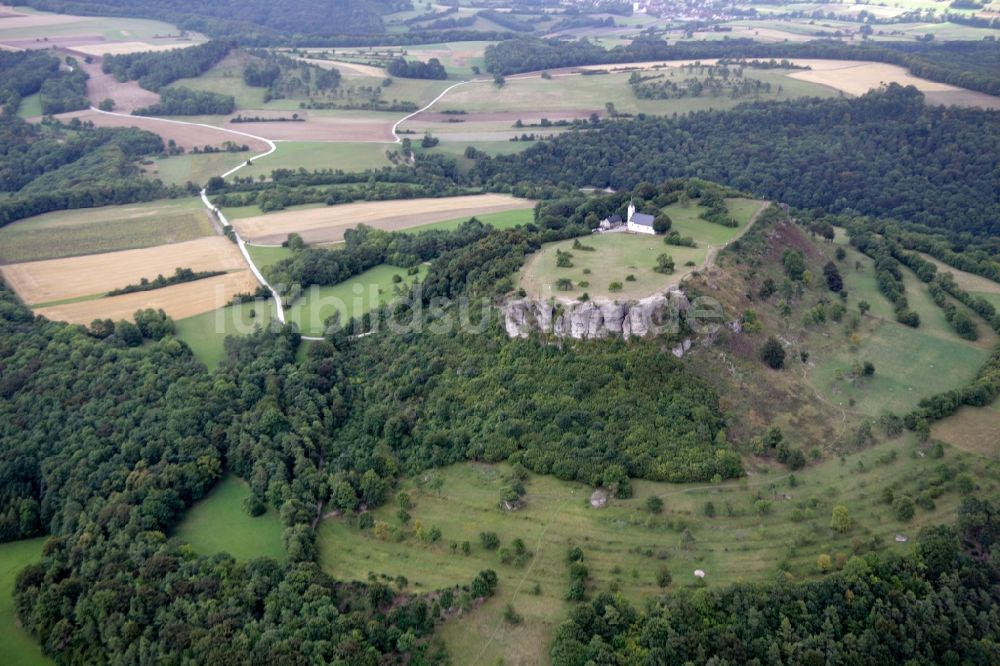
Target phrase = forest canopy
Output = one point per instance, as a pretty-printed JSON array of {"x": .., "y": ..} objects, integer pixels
[
  {"x": 50, "y": 166},
  {"x": 884, "y": 154}
]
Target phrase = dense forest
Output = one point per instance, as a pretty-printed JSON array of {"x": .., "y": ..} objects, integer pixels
[
  {"x": 155, "y": 69},
  {"x": 883, "y": 154},
  {"x": 417, "y": 69},
  {"x": 51, "y": 166},
  {"x": 973, "y": 65},
  {"x": 64, "y": 91},
  {"x": 592, "y": 412},
  {"x": 939, "y": 605},
  {"x": 24, "y": 73}
]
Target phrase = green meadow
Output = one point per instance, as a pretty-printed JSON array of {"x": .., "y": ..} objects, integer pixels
[
  {"x": 194, "y": 168},
  {"x": 70, "y": 233},
  {"x": 226, "y": 78},
  {"x": 320, "y": 155},
  {"x": 507, "y": 219},
  {"x": 352, "y": 298},
  {"x": 206, "y": 333},
  {"x": 265, "y": 257},
  {"x": 31, "y": 107},
  {"x": 533, "y": 95},
  {"x": 218, "y": 524},
  {"x": 16, "y": 646}
]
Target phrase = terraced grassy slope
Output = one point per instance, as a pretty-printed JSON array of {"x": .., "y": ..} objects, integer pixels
[
  {"x": 911, "y": 363},
  {"x": 768, "y": 523}
]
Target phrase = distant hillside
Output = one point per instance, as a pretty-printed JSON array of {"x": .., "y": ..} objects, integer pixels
[
  {"x": 246, "y": 19},
  {"x": 882, "y": 154}
]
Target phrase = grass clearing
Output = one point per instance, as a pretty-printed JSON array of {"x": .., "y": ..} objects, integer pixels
[
  {"x": 972, "y": 429},
  {"x": 206, "y": 333},
  {"x": 899, "y": 383},
  {"x": 624, "y": 545},
  {"x": 31, "y": 106},
  {"x": 615, "y": 257},
  {"x": 16, "y": 645},
  {"x": 107, "y": 229},
  {"x": 218, "y": 524},
  {"x": 507, "y": 219},
  {"x": 226, "y": 78},
  {"x": 351, "y": 298},
  {"x": 192, "y": 168},
  {"x": 457, "y": 57},
  {"x": 263, "y": 257},
  {"x": 345, "y": 156},
  {"x": 456, "y": 146},
  {"x": 534, "y": 96},
  {"x": 253, "y": 210},
  {"x": 968, "y": 281}
]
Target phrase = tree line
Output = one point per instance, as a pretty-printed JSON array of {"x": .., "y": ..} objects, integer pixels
[
  {"x": 155, "y": 69},
  {"x": 417, "y": 69},
  {"x": 51, "y": 166},
  {"x": 187, "y": 102}
]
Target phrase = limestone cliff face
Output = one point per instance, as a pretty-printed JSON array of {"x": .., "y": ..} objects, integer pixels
[{"x": 593, "y": 319}]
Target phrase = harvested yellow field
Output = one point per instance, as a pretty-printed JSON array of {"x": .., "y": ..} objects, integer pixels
[
  {"x": 74, "y": 277},
  {"x": 851, "y": 77},
  {"x": 327, "y": 225},
  {"x": 122, "y": 48},
  {"x": 348, "y": 68},
  {"x": 857, "y": 78},
  {"x": 178, "y": 301}
]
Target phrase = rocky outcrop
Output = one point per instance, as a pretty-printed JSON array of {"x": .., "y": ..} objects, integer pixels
[{"x": 594, "y": 320}]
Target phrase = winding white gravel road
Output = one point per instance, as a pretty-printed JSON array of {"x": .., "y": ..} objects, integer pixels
[{"x": 272, "y": 146}]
